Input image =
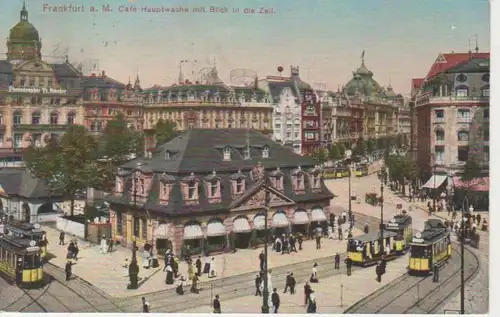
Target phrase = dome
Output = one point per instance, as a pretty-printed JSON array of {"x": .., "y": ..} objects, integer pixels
[
  {"x": 24, "y": 31},
  {"x": 363, "y": 82},
  {"x": 390, "y": 92}
]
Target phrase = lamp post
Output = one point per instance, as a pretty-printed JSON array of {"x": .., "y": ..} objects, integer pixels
[
  {"x": 462, "y": 259},
  {"x": 434, "y": 178},
  {"x": 381, "y": 246},
  {"x": 350, "y": 202},
  {"x": 265, "y": 291},
  {"x": 133, "y": 268}
]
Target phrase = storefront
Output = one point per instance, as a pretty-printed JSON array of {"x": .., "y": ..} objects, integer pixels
[
  {"x": 318, "y": 221},
  {"x": 216, "y": 236},
  {"x": 300, "y": 222},
  {"x": 242, "y": 232},
  {"x": 476, "y": 191},
  {"x": 193, "y": 238},
  {"x": 280, "y": 223},
  {"x": 161, "y": 239}
]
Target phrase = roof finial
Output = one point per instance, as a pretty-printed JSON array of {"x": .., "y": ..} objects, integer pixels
[
  {"x": 363, "y": 57},
  {"x": 24, "y": 12},
  {"x": 477, "y": 45}
]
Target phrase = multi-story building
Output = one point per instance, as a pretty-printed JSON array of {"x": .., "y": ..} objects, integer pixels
[
  {"x": 37, "y": 99},
  {"x": 287, "y": 95},
  {"x": 205, "y": 189},
  {"x": 209, "y": 103},
  {"x": 311, "y": 123},
  {"x": 452, "y": 114},
  {"x": 362, "y": 109}
]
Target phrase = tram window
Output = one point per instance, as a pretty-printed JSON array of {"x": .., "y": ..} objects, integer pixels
[
  {"x": 10, "y": 259},
  {"x": 28, "y": 261},
  {"x": 352, "y": 245},
  {"x": 36, "y": 261},
  {"x": 3, "y": 254},
  {"x": 419, "y": 251}
]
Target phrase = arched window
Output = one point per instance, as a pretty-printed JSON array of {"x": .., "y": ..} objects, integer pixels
[
  {"x": 463, "y": 135},
  {"x": 70, "y": 119},
  {"x": 18, "y": 117},
  {"x": 54, "y": 118},
  {"x": 36, "y": 117},
  {"x": 485, "y": 91},
  {"x": 462, "y": 91}
]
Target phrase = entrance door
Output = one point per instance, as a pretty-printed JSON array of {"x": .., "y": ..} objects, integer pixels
[{"x": 242, "y": 240}]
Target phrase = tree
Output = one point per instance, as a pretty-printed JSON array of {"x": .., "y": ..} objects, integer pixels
[
  {"x": 334, "y": 152},
  {"x": 69, "y": 165},
  {"x": 371, "y": 146},
  {"x": 360, "y": 148},
  {"x": 341, "y": 147},
  {"x": 165, "y": 130},
  {"x": 472, "y": 170},
  {"x": 320, "y": 155}
]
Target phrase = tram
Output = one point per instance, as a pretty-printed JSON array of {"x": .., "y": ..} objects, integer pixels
[
  {"x": 402, "y": 226},
  {"x": 431, "y": 246},
  {"x": 20, "y": 261},
  {"x": 31, "y": 232},
  {"x": 361, "y": 170},
  {"x": 341, "y": 172},
  {"x": 364, "y": 250}
]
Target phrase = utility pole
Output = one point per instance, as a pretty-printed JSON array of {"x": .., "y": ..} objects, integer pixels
[
  {"x": 462, "y": 259},
  {"x": 381, "y": 246},
  {"x": 133, "y": 268},
  {"x": 265, "y": 292}
]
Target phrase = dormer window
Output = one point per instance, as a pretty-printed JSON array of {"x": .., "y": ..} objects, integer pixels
[
  {"x": 226, "y": 153},
  {"x": 167, "y": 155},
  {"x": 240, "y": 186},
  {"x": 300, "y": 181},
  {"x": 119, "y": 184},
  {"x": 265, "y": 152},
  {"x": 164, "y": 191},
  {"x": 279, "y": 182},
  {"x": 315, "y": 178},
  {"x": 142, "y": 188},
  {"x": 192, "y": 190},
  {"x": 246, "y": 153},
  {"x": 214, "y": 188}
]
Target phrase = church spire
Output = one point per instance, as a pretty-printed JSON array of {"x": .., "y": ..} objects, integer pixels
[
  {"x": 24, "y": 12},
  {"x": 137, "y": 83}
]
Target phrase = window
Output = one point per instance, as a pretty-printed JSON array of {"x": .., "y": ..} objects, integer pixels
[
  {"x": 463, "y": 115},
  {"x": 296, "y": 135},
  {"x": 18, "y": 118},
  {"x": 439, "y": 136},
  {"x": 439, "y": 155},
  {"x": 289, "y": 135},
  {"x": 32, "y": 82},
  {"x": 246, "y": 153},
  {"x": 36, "y": 139},
  {"x": 22, "y": 82},
  {"x": 164, "y": 191},
  {"x": 486, "y": 114},
  {"x": 137, "y": 226},
  {"x": 33, "y": 100},
  {"x": 300, "y": 181},
  {"x": 49, "y": 83},
  {"x": 226, "y": 153},
  {"x": 1, "y": 138},
  {"x": 191, "y": 190},
  {"x": 119, "y": 223},
  {"x": 463, "y": 135},
  {"x": 144, "y": 226},
  {"x": 129, "y": 112},
  {"x": 288, "y": 125},
  {"x": 54, "y": 118},
  {"x": 277, "y": 126},
  {"x": 463, "y": 153},
  {"x": 35, "y": 117},
  {"x": 17, "y": 141},
  {"x": 279, "y": 182},
  {"x": 213, "y": 188},
  {"x": 439, "y": 115},
  {"x": 265, "y": 152},
  {"x": 486, "y": 153},
  {"x": 310, "y": 136},
  {"x": 70, "y": 119},
  {"x": 487, "y": 135},
  {"x": 240, "y": 186},
  {"x": 141, "y": 186},
  {"x": 485, "y": 92}
]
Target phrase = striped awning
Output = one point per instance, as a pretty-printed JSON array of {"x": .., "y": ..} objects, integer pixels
[
  {"x": 192, "y": 232},
  {"x": 435, "y": 181},
  {"x": 480, "y": 184},
  {"x": 241, "y": 225},
  {"x": 300, "y": 217},
  {"x": 317, "y": 214},
  {"x": 280, "y": 220}
]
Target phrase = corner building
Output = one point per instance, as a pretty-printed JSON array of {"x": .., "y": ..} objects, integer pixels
[{"x": 205, "y": 189}]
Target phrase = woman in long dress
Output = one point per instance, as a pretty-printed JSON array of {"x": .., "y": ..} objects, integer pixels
[
  {"x": 170, "y": 276},
  {"x": 190, "y": 270},
  {"x": 314, "y": 274},
  {"x": 179, "y": 289},
  {"x": 104, "y": 245},
  {"x": 278, "y": 245},
  {"x": 311, "y": 307},
  {"x": 213, "y": 271},
  {"x": 145, "y": 259}
]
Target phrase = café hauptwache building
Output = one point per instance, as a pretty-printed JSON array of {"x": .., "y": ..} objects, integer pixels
[{"x": 206, "y": 189}]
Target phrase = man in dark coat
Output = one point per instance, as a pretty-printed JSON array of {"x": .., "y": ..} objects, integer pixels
[
  {"x": 318, "y": 241},
  {"x": 292, "y": 241},
  {"x": 258, "y": 281},
  {"x": 300, "y": 240},
  {"x": 216, "y": 304},
  {"x": 478, "y": 219},
  {"x": 61, "y": 238},
  {"x": 378, "y": 271},
  {"x": 198, "y": 266},
  {"x": 284, "y": 248},
  {"x": 67, "y": 269},
  {"x": 340, "y": 233},
  {"x": 366, "y": 229},
  {"x": 275, "y": 299},
  {"x": 262, "y": 259},
  {"x": 145, "y": 305},
  {"x": 307, "y": 292},
  {"x": 337, "y": 261},
  {"x": 348, "y": 264},
  {"x": 435, "y": 271}
]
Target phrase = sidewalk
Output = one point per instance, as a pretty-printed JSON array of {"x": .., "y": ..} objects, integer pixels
[
  {"x": 105, "y": 271},
  {"x": 333, "y": 294}
]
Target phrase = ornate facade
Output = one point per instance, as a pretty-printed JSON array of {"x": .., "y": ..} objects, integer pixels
[
  {"x": 208, "y": 104},
  {"x": 206, "y": 189}
]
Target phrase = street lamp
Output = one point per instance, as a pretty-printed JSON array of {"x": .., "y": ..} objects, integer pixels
[
  {"x": 133, "y": 268},
  {"x": 381, "y": 246},
  {"x": 434, "y": 178},
  {"x": 350, "y": 202},
  {"x": 462, "y": 259},
  {"x": 265, "y": 291}
]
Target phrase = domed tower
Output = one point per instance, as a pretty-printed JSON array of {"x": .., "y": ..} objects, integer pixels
[
  {"x": 362, "y": 82},
  {"x": 24, "y": 42}
]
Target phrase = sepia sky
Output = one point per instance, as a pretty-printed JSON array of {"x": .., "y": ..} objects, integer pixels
[{"x": 402, "y": 38}]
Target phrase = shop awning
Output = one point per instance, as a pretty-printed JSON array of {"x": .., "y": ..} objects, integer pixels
[
  {"x": 480, "y": 184},
  {"x": 435, "y": 181},
  {"x": 300, "y": 217},
  {"x": 317, "y": 214},
  {"x": 259, "y": 222},
  {"x": 162, "y": 232},
  {"x": 280, "y": 220},
  {"x": 215, "y": 229},
  {"x": 241, "y": 225},
  {"x": 192, "y": 232}
]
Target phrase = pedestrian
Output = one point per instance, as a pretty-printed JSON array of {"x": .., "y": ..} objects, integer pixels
[
  {"x": 19, "y": 271},
  {"x": 435, "y": 271},
  {"x": 348, "y": 264},
  {"x": 213, "y": 271},
  {"x": 300, "y": 239},
  {"x": 311, "y": 307},
  {"x": 344, "y": 216},
  {"x": 76, "y": 250},
  {"x": 68, "y": 270},
  {"x": 314, "y": 274},
  {"x": 194, "y": 285},
  {"x": 262, "y": 258},
  {"x": 104, "y": 245},
  {"x": 307, "y": 292},
  {"x": 179, "y": 289},
  {"x": 278, "y": 244},
  {"x": 169, "y": 279},
  {"x": 216, "y": 305},
  {"x": 258, "y": 281},
  {"x": 284, "y": 249},
  {"x": 292, "y": 284},
  {"x": 471, "y": 210},
  {"x": 318, "y": 241},
  {"x": 292, "y": 241},
  {"x": 478, "y": 218},
  {"x": 337, "y": 261},
  {"x": 146, "y": 307},
  {"x": 275, "y": 300},
  {"x": 366, "y": 229},
  {"x": 378, "y": 271},
  {"x": 206, "y": 267},
  {"x": 198, "y": 266},
  {"x": 340, "y": 233},
  {"x": 190, "y": 270},
  {"x": 61, "y": 238}
]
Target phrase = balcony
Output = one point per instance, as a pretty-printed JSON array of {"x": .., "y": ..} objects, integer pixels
[
  {"x": 462, "y": 142},
  {"x": 40, "y": 127},
  {"x": 438, "y": 120},
  {"x": 429, "y": 98},
  {"x": 464, "y": 119},
  {"x": 439, "y": 142}
]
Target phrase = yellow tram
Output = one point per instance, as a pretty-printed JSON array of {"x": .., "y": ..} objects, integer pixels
[
  {"x": 31, "y": 232},
  {"x": 20, "y": 261},
  {"x": 365, "y": 249},
  {"x": 402, "y": 226},
  {"x": 431, "y": 246},
  {"x": 341, "y": 172},
  {"x": 361, "y": 170}
]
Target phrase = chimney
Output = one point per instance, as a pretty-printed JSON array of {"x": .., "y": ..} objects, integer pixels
[{"x": 103, "y": 75}]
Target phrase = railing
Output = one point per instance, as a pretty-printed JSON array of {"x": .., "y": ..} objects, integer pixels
[{"x": 429, "y": 98}]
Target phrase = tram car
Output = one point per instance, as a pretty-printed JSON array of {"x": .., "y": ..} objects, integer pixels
[
  {"x": 31, "y": 232},
  {"x": 21, "y": 261},
  {"x": 341, "y": 172},
  {"x": 364, "y": 250},
  {"x": 361, "y": 170},
  {"x": 402, "y": 226},
  {"x": 429, "y": 247}
]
